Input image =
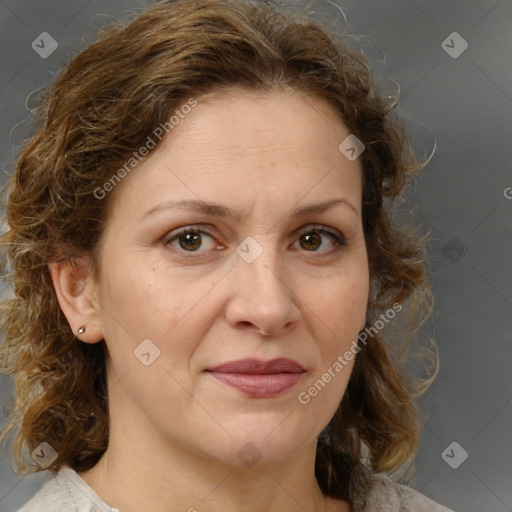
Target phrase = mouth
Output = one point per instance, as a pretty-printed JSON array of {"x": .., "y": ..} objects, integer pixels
[{"x": 259, "y": 379}]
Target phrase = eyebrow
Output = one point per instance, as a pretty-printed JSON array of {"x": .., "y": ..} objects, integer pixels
[{"x": 217, "y": 210}]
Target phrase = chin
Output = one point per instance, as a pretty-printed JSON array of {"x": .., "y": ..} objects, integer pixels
[{"x": 246, "y": 449}]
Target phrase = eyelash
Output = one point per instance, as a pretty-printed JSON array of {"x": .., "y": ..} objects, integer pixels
[{"x": 339, "y": 241}]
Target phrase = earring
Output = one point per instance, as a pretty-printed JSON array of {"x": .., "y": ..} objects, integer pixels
[{"x": 81, "y": 330}]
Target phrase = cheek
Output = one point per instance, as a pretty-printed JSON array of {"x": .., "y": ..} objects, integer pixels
[
  {"x": 350, "y": 284},
  {"x": 140, "y": 292},
  {"x": 149, "y": 301},
  {"x": 342, "y": 305}
]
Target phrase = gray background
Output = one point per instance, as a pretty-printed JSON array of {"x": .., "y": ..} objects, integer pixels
[{"x": 463, "y": 196}]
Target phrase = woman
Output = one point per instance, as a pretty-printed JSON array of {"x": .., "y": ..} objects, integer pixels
[{"x": 202, "y": 265}]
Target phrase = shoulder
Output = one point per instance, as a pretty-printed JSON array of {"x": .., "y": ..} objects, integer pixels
[
  {"x": 52, "y": 496},
  {"x": 386, "y": 496},
  {"x": 66, "y": 492}
]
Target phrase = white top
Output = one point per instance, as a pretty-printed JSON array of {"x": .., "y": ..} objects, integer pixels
[{"x": 67, "y": 492}]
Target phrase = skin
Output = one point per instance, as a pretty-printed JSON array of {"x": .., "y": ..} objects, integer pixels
[{"x": 174, "y": 429}]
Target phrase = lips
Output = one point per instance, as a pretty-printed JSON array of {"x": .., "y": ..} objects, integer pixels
[
  {"x": 259, "y": 379},
  {"x": 257, "y": 367}
]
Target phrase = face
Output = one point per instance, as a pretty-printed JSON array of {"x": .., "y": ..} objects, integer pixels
[{"x": 254, "y": 275}]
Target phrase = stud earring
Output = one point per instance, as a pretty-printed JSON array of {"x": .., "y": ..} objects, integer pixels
[{"x": 81, "y": 330}]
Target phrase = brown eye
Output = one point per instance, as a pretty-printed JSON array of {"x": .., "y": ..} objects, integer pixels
[
  {"x": 311, "y": 241},
  {"x": 190, "y": 241}
]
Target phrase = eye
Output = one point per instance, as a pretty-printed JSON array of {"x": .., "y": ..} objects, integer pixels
[
  {"x": 314, "y": 238},
  {"x": 191, "y": 239}
]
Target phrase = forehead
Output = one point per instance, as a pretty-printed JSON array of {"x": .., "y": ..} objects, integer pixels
[
  {"x": 241, "y": 144},
  {"x": 256, "y": 121}
]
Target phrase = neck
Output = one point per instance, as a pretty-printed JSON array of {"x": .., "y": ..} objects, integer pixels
[
  {"x": 200, "y": 485},
  {"x": 140, "y": 473}
]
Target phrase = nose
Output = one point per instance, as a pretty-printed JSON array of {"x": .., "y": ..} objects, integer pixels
[{"x": 263, "y": 298}]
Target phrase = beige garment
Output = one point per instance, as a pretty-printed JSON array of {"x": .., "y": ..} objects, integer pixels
[{"x": 67, "y": 492}]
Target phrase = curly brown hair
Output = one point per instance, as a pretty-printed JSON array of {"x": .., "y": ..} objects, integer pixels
[{"x": 106, "y": 102}]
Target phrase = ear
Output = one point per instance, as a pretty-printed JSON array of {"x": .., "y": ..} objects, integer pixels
[{"x": 77, "y": 296}]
